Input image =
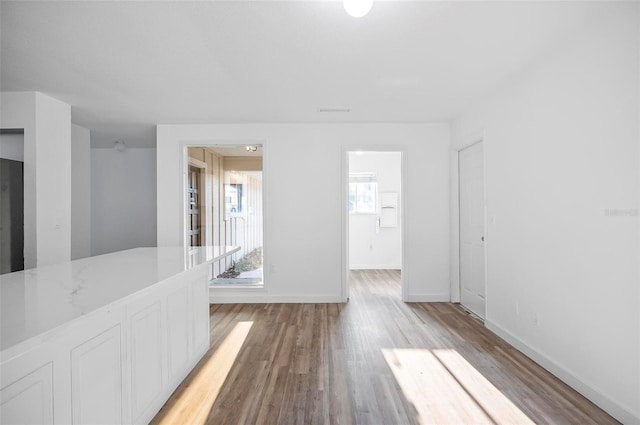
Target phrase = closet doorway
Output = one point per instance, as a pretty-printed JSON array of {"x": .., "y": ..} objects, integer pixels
[{"x": 472, "y": 228}]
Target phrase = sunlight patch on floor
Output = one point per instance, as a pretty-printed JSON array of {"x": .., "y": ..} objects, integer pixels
[
  {"x": 455, "y": 392},
  {"x": 193, "y": 405}
]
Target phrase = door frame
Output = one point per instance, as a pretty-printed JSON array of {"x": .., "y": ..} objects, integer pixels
[
  {"x": 456, "y": 281},
  {"x": 344, "y": 195},
  {"x": 205, "y": 201}
]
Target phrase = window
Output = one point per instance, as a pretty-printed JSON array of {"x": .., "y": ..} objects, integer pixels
[
  {"x": 233, "y": 198},
  {"x": 363, "y": 189}
]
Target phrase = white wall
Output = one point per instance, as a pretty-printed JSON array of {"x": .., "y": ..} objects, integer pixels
[
  {"x": 302, "y": 190},
  {"x": 561, "y": 147},
  {"x": 80, "y": 192},
  {"x": 368, "y": 249},
  {"x": 47, "y": 202},
  {"x": 123, "y": 199},
  {"x": 12, "y": 146}
]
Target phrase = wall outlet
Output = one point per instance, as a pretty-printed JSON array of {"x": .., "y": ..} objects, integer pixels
[
  {"x": 517, "y": 308},
  {"x": 535, "y": 319}
]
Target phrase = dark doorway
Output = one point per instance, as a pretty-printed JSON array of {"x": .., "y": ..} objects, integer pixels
[{"x": 12, "y": 216}]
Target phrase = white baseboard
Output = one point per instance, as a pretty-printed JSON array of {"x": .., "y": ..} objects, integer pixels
[
  {"x": 375, "y": 267},
  {"x": 619, "y": 412},
  {"x": 217, "y": 297},
  {"x": 427, "y": 298},
  {"x": 245, "y": 298}
]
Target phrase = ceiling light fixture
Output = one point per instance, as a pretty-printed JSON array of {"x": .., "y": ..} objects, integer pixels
[
  {"x": 119, "y": 145},
  {"x": 358, "y": 8},
  {"x": 252, "y": 148}
]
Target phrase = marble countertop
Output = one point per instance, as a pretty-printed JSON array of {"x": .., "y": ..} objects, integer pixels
[{"x": 35, "y": 301}]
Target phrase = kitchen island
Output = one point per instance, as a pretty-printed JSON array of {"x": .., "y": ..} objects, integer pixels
[{"x": 104, "y": 339}]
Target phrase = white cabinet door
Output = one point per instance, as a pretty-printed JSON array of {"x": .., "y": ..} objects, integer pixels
[
  {"x": 30, "y": 399},
  {"x": 179, "y": 326},
  {"x": 145, "y": 342},
  {"x": 472, "y": 231},
  {"x": 187, "y": 325},
  {"x": 200, "y": 307},
  {"x": 96, "y": 380}
]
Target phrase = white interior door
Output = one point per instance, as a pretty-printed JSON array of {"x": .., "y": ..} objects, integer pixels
[{"x": 472, "y": 231}]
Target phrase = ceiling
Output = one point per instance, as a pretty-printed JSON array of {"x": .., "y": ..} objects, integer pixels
[{"x": 125, "y": 66}]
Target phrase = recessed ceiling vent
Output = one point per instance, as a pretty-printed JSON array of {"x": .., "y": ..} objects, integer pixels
[{"x": 334, "y": 110}]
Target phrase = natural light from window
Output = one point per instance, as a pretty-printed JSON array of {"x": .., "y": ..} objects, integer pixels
[
  {"x": 193, "y": 404},
  {"x": 455, "y": 391},
  {"x": 363, "y": 188}
]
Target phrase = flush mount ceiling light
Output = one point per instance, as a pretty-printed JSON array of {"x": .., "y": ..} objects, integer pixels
[
  {"x": 119, "y": 145},
  {"x": 252, "y": 148},
  {"x": 358, "y": 8}
]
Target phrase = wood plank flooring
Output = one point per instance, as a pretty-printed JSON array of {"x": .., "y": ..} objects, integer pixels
[{"x": 374, "y": 360}]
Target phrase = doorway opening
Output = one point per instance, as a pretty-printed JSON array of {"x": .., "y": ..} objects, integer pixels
[
  {"x": 373, "y": 223},
  {"x": 224, "y": 209},
  {"x": 12, "y": 200},
  {"x": 472, "y": 229}
]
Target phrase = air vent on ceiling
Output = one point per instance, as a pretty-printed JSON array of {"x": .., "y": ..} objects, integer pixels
[{"x": 334, "y": 110}]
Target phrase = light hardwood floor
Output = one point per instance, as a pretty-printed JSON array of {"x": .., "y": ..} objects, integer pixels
[{"x": 374, "y": 360}]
